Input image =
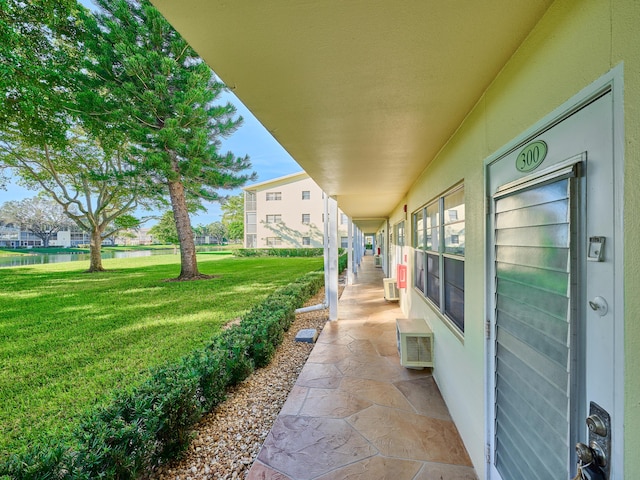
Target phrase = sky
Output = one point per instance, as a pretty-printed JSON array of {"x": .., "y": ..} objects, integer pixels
[{"x": 268, "y": 159}]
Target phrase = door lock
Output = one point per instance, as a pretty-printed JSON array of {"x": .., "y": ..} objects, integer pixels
[
  {"x": 596, "y": 425},
  {"x": 594, "y": 463}
]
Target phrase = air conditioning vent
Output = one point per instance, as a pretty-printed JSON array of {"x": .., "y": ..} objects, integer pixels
[
  {"x": 377, "y": 261},
  {"x": 391, "y": 293},
  {"x": 415, "y": 343}
]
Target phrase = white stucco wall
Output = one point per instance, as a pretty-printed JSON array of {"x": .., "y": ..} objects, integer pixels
[{"x": 574, "y": 44}]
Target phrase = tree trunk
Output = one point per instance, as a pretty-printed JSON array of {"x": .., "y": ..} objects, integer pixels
[
  {"x": 95, "y": 245},
  {"x": 188, "y": 262}
]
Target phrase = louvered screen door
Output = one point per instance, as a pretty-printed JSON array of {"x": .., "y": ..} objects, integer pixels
[{"x": 533, "y": 301}]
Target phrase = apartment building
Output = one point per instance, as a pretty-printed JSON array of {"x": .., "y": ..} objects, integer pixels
[
  {"x": 493, "y": 149},
  {"x": 287, "y": 212}
]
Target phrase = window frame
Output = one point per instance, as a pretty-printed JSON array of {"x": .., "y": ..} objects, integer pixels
[
  {"x": 306, "y": 194},
  {"x": 273, "y": 196},
  {"x": 273, "y": 241},
  {"x": 433, "y": 222},
  {"x": 272, "y": 218},
  {"x": 308, "y": 218}
]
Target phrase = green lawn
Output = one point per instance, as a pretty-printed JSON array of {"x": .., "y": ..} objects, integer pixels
[{"x": 68, "y": 339}]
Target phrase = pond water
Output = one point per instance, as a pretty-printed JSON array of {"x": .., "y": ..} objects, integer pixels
[{"x": 39, "y": 258}]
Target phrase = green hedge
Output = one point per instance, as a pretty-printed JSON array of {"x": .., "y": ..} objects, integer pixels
[
  {"x": 282, "y": 252},
  {"x": 153, "y": 422}
]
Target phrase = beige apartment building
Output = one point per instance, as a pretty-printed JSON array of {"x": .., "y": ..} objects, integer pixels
[{"x": 287, "y": 212}]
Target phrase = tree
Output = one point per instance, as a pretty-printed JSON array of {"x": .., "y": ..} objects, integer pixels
[
  {"x": 165, "y": 230},
  {"x": 97, "y": 189},
  {"x": 151, "y": 84},
  {"x": 40, "y": 58},
  {"x": 233, "y": 217},
  {"x": 218, "y": 231},
  {"x": 41, "y": 216}
]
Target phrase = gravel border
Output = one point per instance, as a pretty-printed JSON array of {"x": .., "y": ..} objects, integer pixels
[{"x": 228, "y": 439}]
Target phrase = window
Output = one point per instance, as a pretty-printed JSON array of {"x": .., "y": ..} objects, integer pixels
[
  {"x": 306, "y": 240},
  {"x": 343, "y": 219},
  {"x": 306, "y": 218},
  {"x": 250, "y": 201},
  {"x": 251, "y": 226},
  {"x": 306, "y": 195},
  {"x": 274, "y": 241},
  {"x": 274, "y": 196},
  {"x": 344, "y": 242},
  {"x": 274, "y": 218},
  {"x": 438, "y": 240}
]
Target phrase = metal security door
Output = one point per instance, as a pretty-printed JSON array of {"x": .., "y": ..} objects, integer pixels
[
  {"x": 555, "y": 327},
  {"x": 535, "y": 264}
]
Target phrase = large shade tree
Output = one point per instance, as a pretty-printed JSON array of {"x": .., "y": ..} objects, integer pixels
[
  {"x": 97, "y": 189},
  {"x": 152, "y": 84},
  {"x": 39, "y": 215},
  {"x": 40, "y": 58}
]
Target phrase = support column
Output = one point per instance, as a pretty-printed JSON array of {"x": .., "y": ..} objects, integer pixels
[
  {"x": 350, "y": 246},
  {"x": 332, "y": 205}
]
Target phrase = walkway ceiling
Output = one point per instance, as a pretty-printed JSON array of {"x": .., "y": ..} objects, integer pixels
[{"x": 362, "y": 93}]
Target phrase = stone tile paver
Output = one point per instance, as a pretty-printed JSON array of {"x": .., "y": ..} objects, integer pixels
[{"x": 355, "y": 413}]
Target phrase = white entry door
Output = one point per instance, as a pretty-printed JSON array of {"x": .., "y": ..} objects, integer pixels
[{"x": 551, "y": 305}]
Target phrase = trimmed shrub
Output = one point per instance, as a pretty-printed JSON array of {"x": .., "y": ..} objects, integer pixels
[
  {"x": 281, "y": 252},
  {"x": 153, "y": 422}
]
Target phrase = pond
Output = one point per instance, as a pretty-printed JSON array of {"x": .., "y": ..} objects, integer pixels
[{"x": 39, "y": 258}]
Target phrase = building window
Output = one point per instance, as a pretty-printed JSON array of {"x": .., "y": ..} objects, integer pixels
[
  {"x": 274, "y": 196},
  {"x": 344, "y": 242},
  {"x": 438, "y": 240},
  {"x": 343, "y": 219},
  {"x": 306, "y": 218},
  {"x": 250, "y": 201},
  {"x": 274, "y": 218},
  {"x": 251, "y": 224},
  {"x": 274, "y": 241},
  {"x": 306, "y": 195},
  {"x": 306, "y": 241}
]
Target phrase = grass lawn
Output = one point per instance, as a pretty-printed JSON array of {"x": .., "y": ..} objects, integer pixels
[{"x": 68, "y": 339}]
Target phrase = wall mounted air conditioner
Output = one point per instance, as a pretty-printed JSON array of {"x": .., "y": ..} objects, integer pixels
[
  {"x": 391, "y": 293},
  {"x": 377, "y": 261},
  {"x": 415, "y": 343}
]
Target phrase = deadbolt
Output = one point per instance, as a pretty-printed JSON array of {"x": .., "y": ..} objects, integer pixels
[{"x": 596, "y": 425}]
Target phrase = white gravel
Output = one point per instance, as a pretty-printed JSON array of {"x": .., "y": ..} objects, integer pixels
[{"x": 228, "y": 440}]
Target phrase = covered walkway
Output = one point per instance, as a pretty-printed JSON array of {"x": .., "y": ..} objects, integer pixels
[{"x": 355, "y": 413}]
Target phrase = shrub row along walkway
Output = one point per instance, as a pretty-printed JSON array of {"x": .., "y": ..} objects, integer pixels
[{"x": 229, "y": 438}]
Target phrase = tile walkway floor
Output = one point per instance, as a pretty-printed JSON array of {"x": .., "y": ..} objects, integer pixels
[{"x": 355, "y": 413}]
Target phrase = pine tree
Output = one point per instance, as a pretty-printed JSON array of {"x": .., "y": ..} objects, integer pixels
[{"x": 151, "y": 85}]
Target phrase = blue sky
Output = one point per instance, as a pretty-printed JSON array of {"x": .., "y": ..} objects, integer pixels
[{"x": 268, "y": 159}]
